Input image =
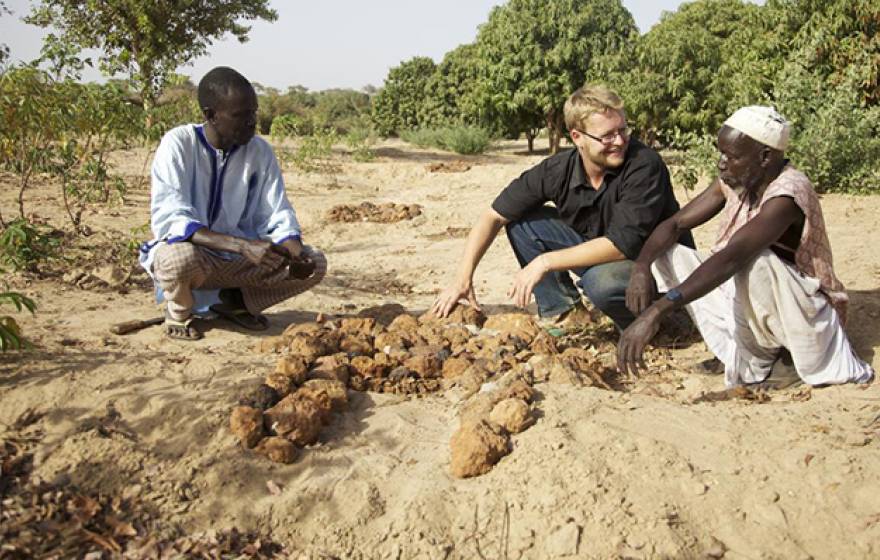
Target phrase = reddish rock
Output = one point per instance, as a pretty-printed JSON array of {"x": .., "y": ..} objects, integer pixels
[
  {"x": 358, "y": 326},
  {"x": 271, "y": 344},
  {"x": 334, "y": 368},
  {"x": 426, "y": 366},
  {"x": 518, "y": 389},
  {"x": 294, "y": 367},
  {"x": 514, "y": 324},
  {"x": 281, "y": 383},
  {"x": 277, "y": 450},
  {"x": 335, "y": 390},
  {"x": 309, "y": 329},
  {"x": 367, "y": 367},
  {"x": 247, "y": 424},
  {"x": 404, "y": 324},
  {"x": 309, "y": 348},
  {"x": 454, "y": 367},
  {"x": 262, "y": 397},
  {"x": 356, "y": 344},
  {"x": 476, "y": 447},
  {"x": 514, "y": 415},
  {"x": 296, "y": 418},
  {"x": 389, "y": 340},
  {"x": 543, "y": 343}
]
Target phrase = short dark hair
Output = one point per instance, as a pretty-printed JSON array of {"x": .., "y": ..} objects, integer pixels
[{"x": 218, "y": 83}]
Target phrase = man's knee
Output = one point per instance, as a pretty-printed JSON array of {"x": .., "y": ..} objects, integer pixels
[
  {"x": 606, "y": 284},
  {"x": 178, "y": 261},
  {"x": 320, "y": 260}
]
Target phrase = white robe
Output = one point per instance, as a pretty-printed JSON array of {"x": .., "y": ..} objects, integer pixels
[{"x": 239, "y": 193}]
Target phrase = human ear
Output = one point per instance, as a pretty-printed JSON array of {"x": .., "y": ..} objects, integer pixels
[{"x": 208, "y": 113}]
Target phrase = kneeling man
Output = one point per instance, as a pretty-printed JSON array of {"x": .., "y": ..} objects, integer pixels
[
  {"x": 226, "y": 236},
  {"x": 608, "y": 194},
  {"x": 769, "y": 284}
]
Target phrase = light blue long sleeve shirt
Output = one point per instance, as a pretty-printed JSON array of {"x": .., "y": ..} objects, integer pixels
[{"x": 239, "y": 192}]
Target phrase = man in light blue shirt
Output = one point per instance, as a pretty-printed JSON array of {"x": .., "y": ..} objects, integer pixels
[{"x": 226, "y": 236}]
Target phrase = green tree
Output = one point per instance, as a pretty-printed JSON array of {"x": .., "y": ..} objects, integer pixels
[
  {"x": 398, "y": 104},
  {"x": 147, "y": 40},
  {"x": 537, "y": 52},
  {"x": 4, "y": 48}
]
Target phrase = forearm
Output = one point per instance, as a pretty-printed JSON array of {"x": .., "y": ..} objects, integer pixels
[
  {"x": 478, "y": 242},
  {"x": 218, "y": 241},
  {"x": 595, "y": 251},
  {"x": 293, "y": 246},
  {"x": 661, "y": 240}
]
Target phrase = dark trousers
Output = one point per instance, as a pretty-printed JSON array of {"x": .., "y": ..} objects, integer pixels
[{"x": 541, "y": 231}]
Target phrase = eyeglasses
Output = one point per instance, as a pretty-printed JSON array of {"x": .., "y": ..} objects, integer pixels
[{"x": 609, "y": 138}]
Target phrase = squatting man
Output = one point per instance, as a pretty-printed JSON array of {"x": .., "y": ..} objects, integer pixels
[
  {"x": 768, "y": 285},
  {"x": 608, "y": 193},
  {"x": 227, "y": 239}
]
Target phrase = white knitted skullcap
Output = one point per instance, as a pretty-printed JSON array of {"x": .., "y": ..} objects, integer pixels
[{"x": 763, "y": 124}]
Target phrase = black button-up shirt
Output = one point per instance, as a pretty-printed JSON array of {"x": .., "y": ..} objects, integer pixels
[{"x": 632, "y": 200}]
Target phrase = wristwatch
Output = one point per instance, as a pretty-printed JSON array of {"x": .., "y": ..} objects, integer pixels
[{"x": 674, "y": 296}]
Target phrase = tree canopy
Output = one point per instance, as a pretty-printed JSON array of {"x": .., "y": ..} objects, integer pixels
[{"x": 147, "y": 40}]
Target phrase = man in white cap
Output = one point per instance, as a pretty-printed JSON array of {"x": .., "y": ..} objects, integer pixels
[{"x": 768, "y": 285}]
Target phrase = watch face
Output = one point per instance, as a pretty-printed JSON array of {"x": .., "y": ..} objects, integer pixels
[{"x": 674, "y": 295}]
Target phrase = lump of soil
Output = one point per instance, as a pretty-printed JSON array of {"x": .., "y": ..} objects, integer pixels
[
  {"x": 476, "y": 447},
  {"x": 271, "y": 344},
  {"x": 297, "y": 418},
  {"x": 334, "y": 389},
  {"x": 369, "y": 212},
  {"x": 543, "y": 343},
  {"x": 282, "y": 384},
  {"x": 454, "y": 367},
  {"x": 247, "y": 424},
  {"x": 457, "y": 166},
  {"x": 356, "y": 345},
  {"x": 518, "y": 389},
  {"x": 309, "y": 348},
  {"x": 514, "y": 415},
  {"x": 277, "y": 450},
  {"x": 294, "y": 367},
  {"x": 310, "y": 329},
  {"x": 367, "y": 367},
  {"x": 514, "y": 324},
  {"x": 334, "y": 368},
  {"x": 404, "y": 324},
  {"x": 426, "y": 366},
  {"x": 389, "y": 341},
  {"x": 262, "y": 397},
  {"x": 358, "y": 326}
]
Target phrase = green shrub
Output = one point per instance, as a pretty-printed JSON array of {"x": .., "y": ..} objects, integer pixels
[
  {"x": 23, "y": 246},
  {"x": 458, "y": 139},
  {"x": 10, "y": 333},
  {"x": 699, "y": 157}
]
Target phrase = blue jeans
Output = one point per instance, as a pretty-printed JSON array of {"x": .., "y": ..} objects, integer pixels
[{"x": 541, "y": 231}]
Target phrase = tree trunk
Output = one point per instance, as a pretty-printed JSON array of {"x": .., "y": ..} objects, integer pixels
[
  {"x": 555, "y": 131},
  {"x": 530, "y": 138}
]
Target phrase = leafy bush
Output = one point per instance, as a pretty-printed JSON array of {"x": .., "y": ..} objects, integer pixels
[
  {"x": 10, "y": 333},
  {"x": 360, "y": 139},
  {"x": 459, "y": 139},
  {"x": 699, "y": 157},
  {"x": 23, "y": 246}
]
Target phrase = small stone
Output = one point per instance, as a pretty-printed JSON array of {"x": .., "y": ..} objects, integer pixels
[
  {"x": 514, "y": 415},
  {"x": 247, "y": 424},
  {"x": 282, "y": 384},
  {"x": 294, "y": 367},
  {"x": 475, "y": 449},
  {"x": 277, "y": 450},
  {"x": 297, "y": 418},
  {"x": 335, "y": 390}
]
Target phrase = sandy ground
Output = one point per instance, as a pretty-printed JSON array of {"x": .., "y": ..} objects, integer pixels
[{"x": 638, "y": 474}]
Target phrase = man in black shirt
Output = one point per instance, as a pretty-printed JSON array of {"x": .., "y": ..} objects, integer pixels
[{"x": 609, "y": 194}]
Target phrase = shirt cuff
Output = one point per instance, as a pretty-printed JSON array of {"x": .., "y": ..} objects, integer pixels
[
  {"x": 296, "y": 236},
  {"x": 629, "y": 247},
  {"x": 188, "y": 232}
]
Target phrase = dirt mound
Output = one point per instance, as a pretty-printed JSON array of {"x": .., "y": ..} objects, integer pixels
[
  {"x": 457, "y": 166},
  {"x": 386, "y": 350},
  {"x": 385, "y": 213}
]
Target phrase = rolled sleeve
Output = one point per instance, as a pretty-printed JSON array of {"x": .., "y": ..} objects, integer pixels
[
  {"x": 526, "y": 192},
  {"x": 640, "y": 207}
]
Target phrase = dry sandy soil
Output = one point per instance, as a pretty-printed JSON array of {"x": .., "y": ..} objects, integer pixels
[{"x": 642, "y": 473}]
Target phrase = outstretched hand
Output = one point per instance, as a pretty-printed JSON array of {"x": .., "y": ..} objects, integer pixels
[
  {"x": 450, "y": 297},
  {"x": 631, "y": 346},
  {"x": 641, "y": 291},
  {"x": 525, "y": 281}
]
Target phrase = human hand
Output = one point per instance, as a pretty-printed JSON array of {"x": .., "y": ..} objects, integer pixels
[
  {"x": 449, "y": 298},
  {"x": 525, "y": 281},
  {"x": 302, "y": 266},
  {"x": 264, "y": 253},
  {"x": 631, "y": 346},
  {"x": 641, "y": 290}
]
